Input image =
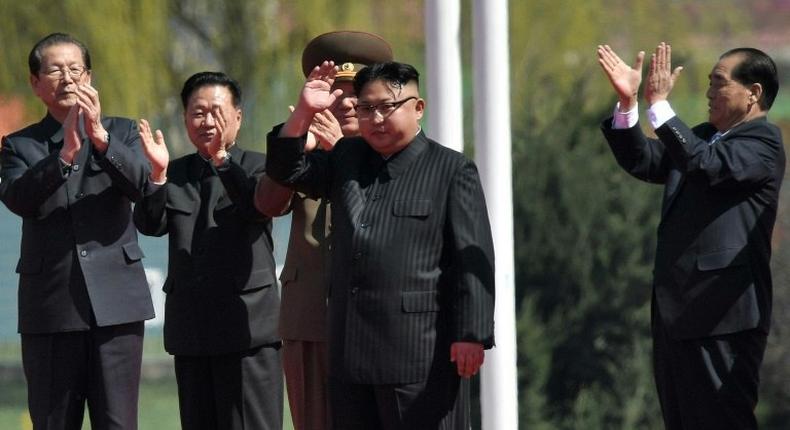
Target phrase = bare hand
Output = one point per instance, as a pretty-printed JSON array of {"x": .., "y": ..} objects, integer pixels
[
  {"x": 217, "y": 146},
  {"x": 88, "y": 100},
  {"x": 468, "y": 357},
  {"x": 661, "y": 78},
  {"x": 625, "y": 80},
  {"x": 317, "y": 94},
  {"x": 326, "y": 129},
  {"x": 155, "y": 151},
  {"x": 311, "y": 141},
  {"x": 72, "y": 141}
]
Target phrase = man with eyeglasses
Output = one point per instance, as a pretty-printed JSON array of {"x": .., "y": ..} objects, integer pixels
[
  {"x": 83, "y": 295},
  {"x": 306, "y": 270},
  {"x": 411, "y": 295}
]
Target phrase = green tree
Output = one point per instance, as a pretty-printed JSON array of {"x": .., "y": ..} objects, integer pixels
[{"x": 127, "y": 41}]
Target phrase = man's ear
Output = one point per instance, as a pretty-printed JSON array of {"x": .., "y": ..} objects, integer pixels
[
  {"x": 33, "y": 81},
  {"x": 756, "y": 92},
  {"x": 419, "y": 107}
]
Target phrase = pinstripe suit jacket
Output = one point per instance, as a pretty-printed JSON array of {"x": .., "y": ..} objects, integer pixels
[{"x": 412, "y": 257}]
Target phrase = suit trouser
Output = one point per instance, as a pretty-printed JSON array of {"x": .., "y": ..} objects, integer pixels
[
  {"x": 100, "y": 365},
  {"x": 241, "y": 390},
  {"x": 306, "y": 367},
  {"x": 439, "y": 403},
  {"x": 710, "y": 382}
]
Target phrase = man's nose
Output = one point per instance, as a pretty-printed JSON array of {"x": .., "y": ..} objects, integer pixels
[
  {"x": 67, "y": 78},
  {"x": 209, "y": 120},
  {"x": 348, "y": 102},
  {"x": 378, "y": 117}
]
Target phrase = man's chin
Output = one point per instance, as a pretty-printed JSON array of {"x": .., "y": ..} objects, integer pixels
[
  {"x": 66, "y": 102},
  {"x": 349, "y": 129}
]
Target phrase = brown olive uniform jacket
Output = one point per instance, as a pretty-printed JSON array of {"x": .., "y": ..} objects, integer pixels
[{"x": 305, "y": 274}]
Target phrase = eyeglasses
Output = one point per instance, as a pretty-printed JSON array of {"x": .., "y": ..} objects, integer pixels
[
  {"x": 383, "y": 109},
  {"x": 75, "y": 72}
]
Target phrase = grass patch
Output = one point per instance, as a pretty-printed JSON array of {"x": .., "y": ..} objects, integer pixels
[
  {"x": 158, "y": 409},
  {"x": 158, "y": 406}
]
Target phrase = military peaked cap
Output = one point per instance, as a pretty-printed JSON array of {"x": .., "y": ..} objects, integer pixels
[{"x": 350, "y": 50}]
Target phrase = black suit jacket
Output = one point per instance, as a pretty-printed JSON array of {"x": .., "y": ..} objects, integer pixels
[
  {"x": 412, "y": 265},
  {"x": 221, "y": 291},
  {"x": 79, "y": 256},
  {"x": 712, "y": 273}
]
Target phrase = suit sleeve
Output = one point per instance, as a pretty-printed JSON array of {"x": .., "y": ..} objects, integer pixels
[
  {"x": 240, "y": 186},
  {"x": 23, "y": 187},
  {"x": 150, "y": 215},
  {"x": 643, "y": 158},
  {"x": 289, "y": 165},
  {"x": 748, "y": 156},
  {"x": 471, "y": 246},
  {"x": 124, "y": 161}
]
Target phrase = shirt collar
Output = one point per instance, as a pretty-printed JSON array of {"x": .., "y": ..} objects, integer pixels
[{"x": 399, "y": 162}]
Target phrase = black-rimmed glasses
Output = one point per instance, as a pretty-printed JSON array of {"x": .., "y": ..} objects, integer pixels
[{"x": 384, "y": 109}]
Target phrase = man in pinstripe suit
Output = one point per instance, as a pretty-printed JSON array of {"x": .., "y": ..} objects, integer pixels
[{"x": 411, "y": 297}]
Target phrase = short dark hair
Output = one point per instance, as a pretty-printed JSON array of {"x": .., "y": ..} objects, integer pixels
[
  {"x": 37, "y": 53},
  {"x": 203, "y": 79},
  {"x": 756, "y": 67},
  {"x": 393, "y": 73}
]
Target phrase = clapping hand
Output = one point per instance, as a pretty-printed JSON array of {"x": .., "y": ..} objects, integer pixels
[
  {"x": 88, "y": 101},
  {"x": 217, "y": 147},
  {"x": 660, "y": 77},
  {"x": 155, "y": 151},
  {"x": 72, "y": 141},
  {"x": 625, "y": 79}
]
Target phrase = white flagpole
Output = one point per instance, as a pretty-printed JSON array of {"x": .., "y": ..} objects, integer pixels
[
  {"x": 498, "y": 386},
  {"x": 443, "y": 64}
]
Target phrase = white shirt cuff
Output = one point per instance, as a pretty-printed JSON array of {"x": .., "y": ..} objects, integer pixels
[
  {"x": 659, "y": 113},
  {"x": 625, "y": 119}
]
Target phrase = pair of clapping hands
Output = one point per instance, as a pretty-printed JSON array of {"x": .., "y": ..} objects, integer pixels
[
  {"x": 88, "y": 107},
  {"x": 626, "y": 80}
]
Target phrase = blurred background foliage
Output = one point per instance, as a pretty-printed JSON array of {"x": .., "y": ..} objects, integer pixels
[{"x": 584, "y": 230}]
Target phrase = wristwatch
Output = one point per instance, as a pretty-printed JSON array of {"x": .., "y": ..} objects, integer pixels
[{"x": 225, "y": 160}]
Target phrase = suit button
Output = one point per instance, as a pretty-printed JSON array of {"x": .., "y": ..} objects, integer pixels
[
  {"x": 75, "y": 167},
  {"x": 354, "y": 290},
  {"x": 364, "y": 225},
  {"x": 84, "y": 253},
  {"x": 80, "y": 195}
]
